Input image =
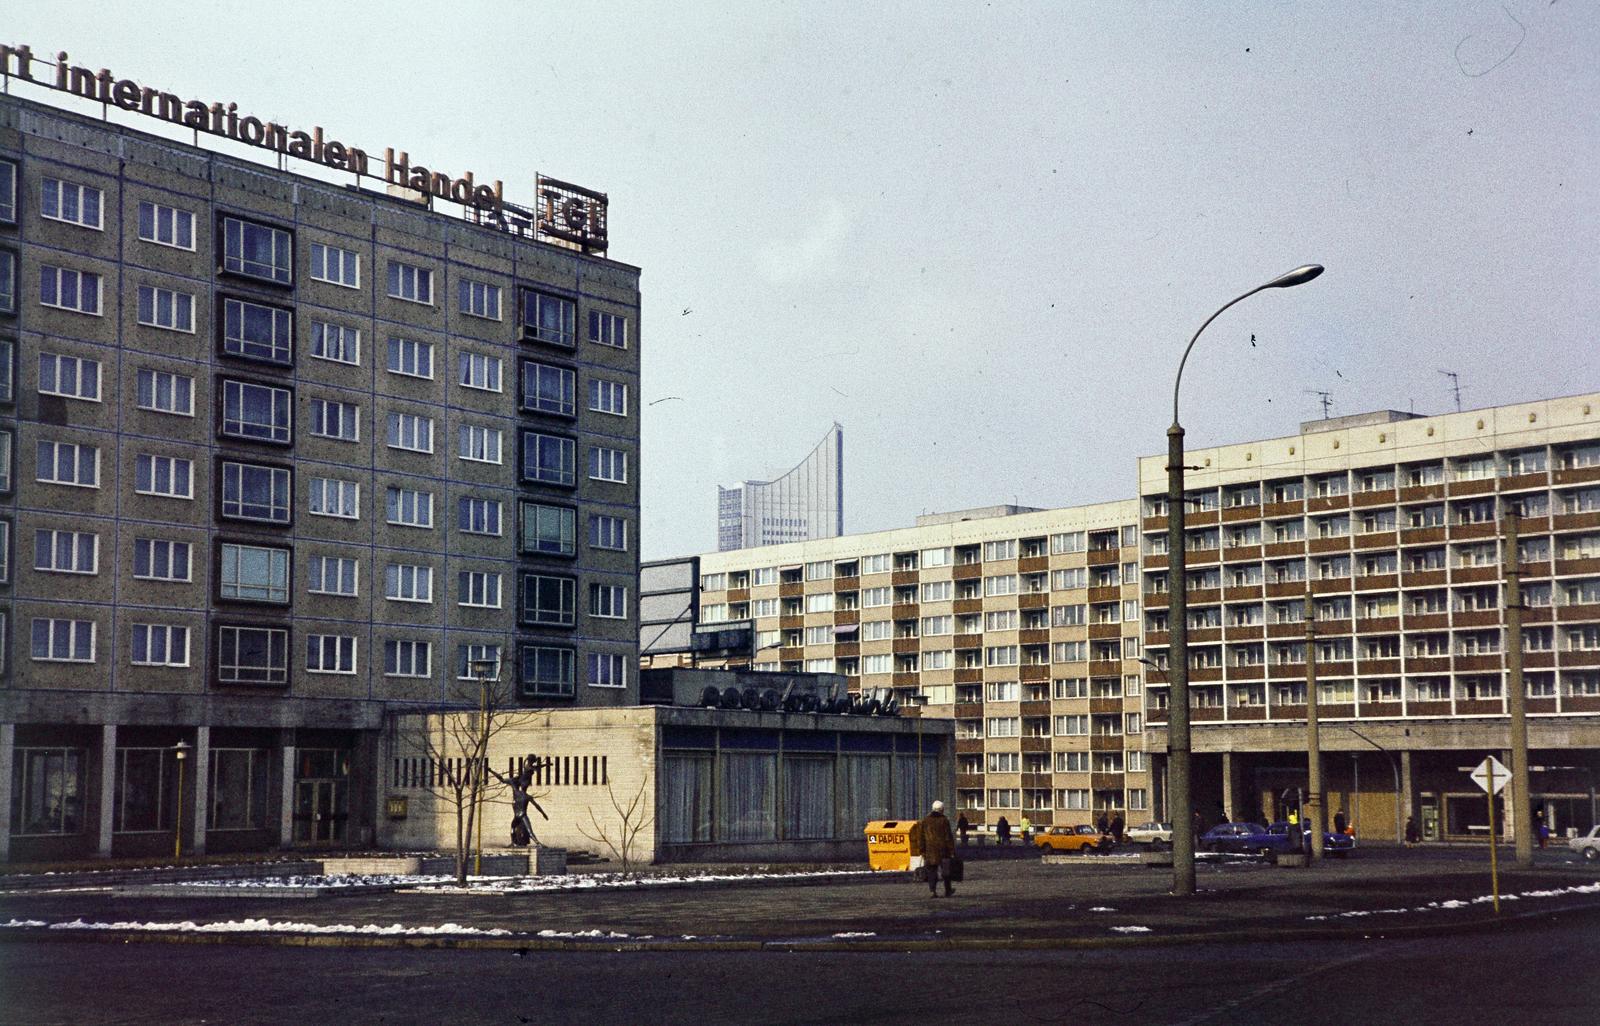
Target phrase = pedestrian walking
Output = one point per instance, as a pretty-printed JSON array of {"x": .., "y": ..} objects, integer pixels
[
  {"x": 1103, "y": 823},
  {"x": 1027, "y": 829},
  {"x": 1118, "y": 824},
  {"x": 1339, "y": 822},
  {"x": 1199, "y": 823},
  {"x": 1002, "y": 831},
  {"x": 1413, "y": 835},
  {"x": 962, "y": 826},
  {"x": 1541, "y": 828},
  {"x": 938, "y": 849}
]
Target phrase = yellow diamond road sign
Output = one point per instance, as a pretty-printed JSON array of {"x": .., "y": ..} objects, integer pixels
[{"x": 1491, "y": 775}]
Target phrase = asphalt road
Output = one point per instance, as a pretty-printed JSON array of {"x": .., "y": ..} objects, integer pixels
[{"x": 1536, "y": 971}]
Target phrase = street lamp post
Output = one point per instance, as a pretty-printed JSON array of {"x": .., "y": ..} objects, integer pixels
[
  {"x": 1178, "y": 615},
  {"x": 180, "y": 751}
]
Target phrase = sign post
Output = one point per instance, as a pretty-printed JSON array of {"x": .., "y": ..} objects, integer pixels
[{"x": 1491, "y": 775}]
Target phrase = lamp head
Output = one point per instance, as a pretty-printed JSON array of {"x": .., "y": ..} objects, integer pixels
[
  {"x": 1298, "y": 276},
  {"x": 181, "y": 750}
]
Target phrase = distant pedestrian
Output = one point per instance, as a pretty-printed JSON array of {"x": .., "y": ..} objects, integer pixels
[
  {"x": 1002, "y": 831},
  {"x": 938, "y": 849},
  {"x": 963, "y": 826},
  {"x": 1413, "y": 835},
  {"x": 1199, "y": 823},
  {"x": 1118, "y": 824},
  {"x": 1027, "y": 829},
  {"x": 1339, "y": 822},
  {"x": 1103, "y": 823},
  {"x": 1541, "y": 828}
]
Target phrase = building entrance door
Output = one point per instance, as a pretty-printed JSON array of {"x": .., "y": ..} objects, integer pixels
[{"x": 321, "y": 792}]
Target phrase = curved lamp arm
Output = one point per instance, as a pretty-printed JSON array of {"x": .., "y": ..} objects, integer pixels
[{"x": 1298, "y": 276}]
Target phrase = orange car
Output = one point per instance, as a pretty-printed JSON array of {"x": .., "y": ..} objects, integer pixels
[{"x": 1082, "y": 839}]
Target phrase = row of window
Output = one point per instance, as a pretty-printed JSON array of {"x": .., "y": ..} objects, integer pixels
[
  {"x": 260, "y": 655},
  {"x": 263, "y": 252},
  {"x": 1066, "y": 799}
]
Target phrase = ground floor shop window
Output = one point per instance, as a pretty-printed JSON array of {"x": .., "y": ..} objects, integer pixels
[
  {"x": 238, "y": 799},
  {"x": 144, "y": 777},
  {"x": 807, "y": 797},
  {"x": 686, "y": 790},
  {"x": 863, "y": 792},
  {"x": 749, "y": 796},
  {"x": 47, "y": 791}
]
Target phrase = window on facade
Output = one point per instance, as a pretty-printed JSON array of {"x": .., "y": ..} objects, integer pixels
[
  {"x": 608, "y": 329},
  {"x": 411, "y": 358},
  {"x": 69, "y": 376},
  {"x": 549, "y": 600},
  {"x": 166, "y": 226},
  {"x": 330, "y": 653},
  {"x": 468, "y": 655},
  {"x": 480, "y": 371},
  {"x": 479, "y": 299},
  {"x": 606, "y": 532},
  {"x": 478, "y": 588},
  {"x": 411, "y": 283},
  {"x": 8, "y": 192},
  {"x": 159, "y": 559},
  {"x": 478, "y": 516},
  {"x": 155, "y": 644},
  {"x": 71, "y": 202},
  {"x": 165, "y": 392},
  {"x": 608, "y": 397},
  {"x": 63, "y": 641},
  {"x": 255, "y": 331},
  {"x": 47, "y": 791},
  {"x": 608, "y": 601},
  {"x": 333, "y": 575},
  {"x": 167, "y": 476},
  {"x": 8, "y": 281},
  {"x": 336, "y": 420},
  {"x": 68, "y": 289},
  {"x": 257, "y": 251},
  {"x": 261, "y": 413},
  {"x": 405, "y": 658},
  {"x": 409, "y": 507},
  {"x": 253, "y": 573},
  {"x": 549, "y": 389},
  {"x": 548, "y": 459},
  {"x": 546, "y": 670},
  {"x": 67, "y": 463},
  {"x": 548, "y": 530},
  {"x": 252, "y": 655},
  {"x": 405, "y": 582},
  {"x": 335, "y": 343},
  {"x": 335, "y": 266},
  {"x": 166, "y": 308},
  {"x": 608, "y": 464},
  {"x": 547, "y": 318},
  {"x": 253, "y": 492},
  {"x": 478, "y": 444},
  {"x": 66, "y": 552},
  {"x": 410, "y": 431},
  {"x": 607, "y": 670},
  {"x": 330, "y": 497}
]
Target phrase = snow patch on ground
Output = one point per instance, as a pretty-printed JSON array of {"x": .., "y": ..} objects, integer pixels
[
  {"x": 1454, "y": 903},
  {"x": 270, "y": 926},
  {"x": 584, "y": 934},
  {"x": 853, "y": 933},
  {"x": 1102, "y": 908},
  {"x": 446, "y": 883},
  {"x": 1130, "y": 929}
]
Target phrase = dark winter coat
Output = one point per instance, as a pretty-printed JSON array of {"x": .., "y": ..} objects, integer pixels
[{"x": 938, "y": 840}]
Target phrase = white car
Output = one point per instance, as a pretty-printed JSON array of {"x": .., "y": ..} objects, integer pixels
[
  {"x": 1156, "y": 835},
  {"x": 1587, "y": 845}
]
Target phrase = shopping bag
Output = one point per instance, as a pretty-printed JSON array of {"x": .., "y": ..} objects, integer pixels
[
  {"x": 958, "y": 869},
  {"x": 919, "y": 869}
]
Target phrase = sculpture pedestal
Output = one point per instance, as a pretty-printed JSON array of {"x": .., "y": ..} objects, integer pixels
[{"x": 543, "y": 861}]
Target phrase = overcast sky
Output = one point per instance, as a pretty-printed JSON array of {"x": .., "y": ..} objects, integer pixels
[{"x": 978, "y": 235}]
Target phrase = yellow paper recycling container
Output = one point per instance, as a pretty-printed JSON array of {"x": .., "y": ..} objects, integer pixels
[{"x": 889, "y": 844}]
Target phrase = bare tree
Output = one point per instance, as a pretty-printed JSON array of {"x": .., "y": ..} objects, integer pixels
[
  {"x": 455, "y": 738},
  {"x": 620, "y": 835}
]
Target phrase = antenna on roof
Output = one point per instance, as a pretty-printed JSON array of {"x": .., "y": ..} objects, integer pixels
[
  {"x": 1455, "y": 386},
  {"x": 1326, "y": 398}
]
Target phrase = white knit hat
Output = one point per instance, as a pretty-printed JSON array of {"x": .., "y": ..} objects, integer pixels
[{"x": 938, "y": 806}]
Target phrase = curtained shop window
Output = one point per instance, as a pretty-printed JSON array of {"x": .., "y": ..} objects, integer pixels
[
  {"x": 47, "y": 791},
  {"x": 142, "y": 789},
  {"x": 749, "y": 797},
  {"x": 907, "y": 802},
  {"x": 932, "y": 786},
  {"x": 686, "y": 797},
  {"x": 807, "y": 797},
  {"x": 863, "y": 792}
]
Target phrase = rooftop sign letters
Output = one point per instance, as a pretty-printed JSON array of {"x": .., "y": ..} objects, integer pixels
[{"x": 566, "y": 214}]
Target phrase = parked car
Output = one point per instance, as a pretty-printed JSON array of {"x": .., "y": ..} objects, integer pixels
[
  {"x": 1245, "y": 839},
  {"x": 1587, "y": 845},
  {"x": 1082, "y": 839},
  {"x": 1340, "y": 845},
  {"x": 1158, "y": 836}
]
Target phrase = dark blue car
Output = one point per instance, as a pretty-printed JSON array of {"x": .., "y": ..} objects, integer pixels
[
  {"x": 1332, "y": 844},
  {"x": 1245, "y": 839}
]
